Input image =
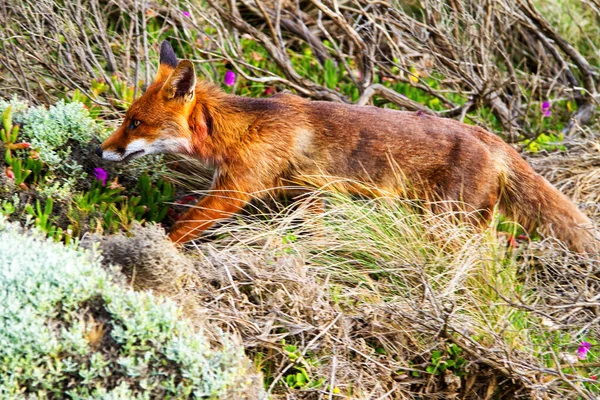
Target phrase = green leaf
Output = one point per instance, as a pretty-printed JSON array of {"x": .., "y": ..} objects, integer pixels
[
  {"x": 300, "y": 379},
  {"x": 7, "y": 120},
  {"x": 435, "y": 356}
]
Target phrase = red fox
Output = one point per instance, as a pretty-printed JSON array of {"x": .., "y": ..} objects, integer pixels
[{"x": 262, "y": 145}]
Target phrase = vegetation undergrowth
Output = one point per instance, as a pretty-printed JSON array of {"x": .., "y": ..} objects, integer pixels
[
  {"x": 434, "y": 302},
  {"x": 53, "y": 183}
]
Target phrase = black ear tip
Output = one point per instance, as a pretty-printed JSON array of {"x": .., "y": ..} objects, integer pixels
[
  {"x": 167, "y": 54},
  {"x": 165, "y": 46}
]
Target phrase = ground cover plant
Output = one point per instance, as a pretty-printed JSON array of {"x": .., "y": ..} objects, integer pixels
[
  {"x": 372, "y": 299},
  {"x": 69, "y": 330}
]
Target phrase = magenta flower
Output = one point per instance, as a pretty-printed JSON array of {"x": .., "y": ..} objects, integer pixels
[
  {"x": 359, "y": 74},
  {"x": 583, "y": 349},
  {"x": 229, "y": 78},
  {"x": 185, "y": 13},
  {"x": 546, "y": 109},
  {"x": 101, "y": 175}
]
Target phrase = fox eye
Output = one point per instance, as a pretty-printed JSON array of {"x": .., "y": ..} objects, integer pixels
[{"x": 134, "y": 124}]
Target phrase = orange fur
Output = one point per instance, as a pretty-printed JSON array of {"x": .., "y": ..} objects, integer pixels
[{"x": 260, "y": 145}]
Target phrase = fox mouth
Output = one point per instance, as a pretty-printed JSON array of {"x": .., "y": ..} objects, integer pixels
[{"x": 134, "y": 155}]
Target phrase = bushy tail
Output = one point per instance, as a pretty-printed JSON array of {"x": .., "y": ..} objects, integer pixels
[{"x": 530, "y": 200}]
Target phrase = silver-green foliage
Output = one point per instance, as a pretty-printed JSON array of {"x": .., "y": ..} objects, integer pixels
[
  {"x": 49, "y": 129},
  {"x": 67, "y": 330}
]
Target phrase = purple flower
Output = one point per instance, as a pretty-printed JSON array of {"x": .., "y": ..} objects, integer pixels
[
  {"x": 583, "y": 349},
  {"x": 546, "y": 109},
  {"x": 101, "y": 175},
  {"x": 185, "y": 13},
  {"x": 229, "y": 78}
]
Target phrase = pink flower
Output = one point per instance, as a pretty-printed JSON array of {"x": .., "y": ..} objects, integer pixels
[
  {"x": 101, "y": 175},
  {"x": 546, "y": 109},
  {"x": 229, "y": 78},
  {"x": 358, "y": 74},
  {"x": 583, "y": 349},
  {"x": 185, "y": 13}
]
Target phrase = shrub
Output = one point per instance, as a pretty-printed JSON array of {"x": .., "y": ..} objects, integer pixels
[
  {"x": 68, "y": 330},
  {"x": 50, "y": 130}
]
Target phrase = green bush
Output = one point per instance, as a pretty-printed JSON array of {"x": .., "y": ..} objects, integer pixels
[{"x": 68, "y": 330}]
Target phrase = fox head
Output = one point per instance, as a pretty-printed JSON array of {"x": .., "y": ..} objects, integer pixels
[{"x": 158, "y": 121}]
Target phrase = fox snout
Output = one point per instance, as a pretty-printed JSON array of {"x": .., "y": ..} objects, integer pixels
[
  {"x": 135, "y": 149},
  {"x": 124, "y": 155},
  {"x": 112, "y": 150}
]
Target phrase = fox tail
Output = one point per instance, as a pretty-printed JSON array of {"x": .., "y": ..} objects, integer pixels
[{"x": 530, "y": 200}]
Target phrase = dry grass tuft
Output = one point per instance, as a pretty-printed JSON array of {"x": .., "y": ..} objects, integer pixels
[{"x": 147, "y": 258}]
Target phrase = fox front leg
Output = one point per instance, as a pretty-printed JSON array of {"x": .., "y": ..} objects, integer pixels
[{"x": 215, "y": 206}]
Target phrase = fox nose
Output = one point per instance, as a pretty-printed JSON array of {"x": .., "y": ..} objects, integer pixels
[{"x": 98, "y": 151}]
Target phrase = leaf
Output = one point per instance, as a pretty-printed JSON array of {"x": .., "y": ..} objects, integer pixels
[
  {"x": 290, "y": 380},
  {"x": 7, "y": 120},
  {"x": 300, "y": 379},
  {"x": 413, "y": 76},
  {"x": 454, "y": 350},
  {"x": 435, "y": 356},
  {"x": 290, "y": 348}
]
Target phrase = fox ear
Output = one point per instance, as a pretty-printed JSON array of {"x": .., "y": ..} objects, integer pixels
[
  {"x": 182, "y": 82},
  {"x": 168, "y": 61}
]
